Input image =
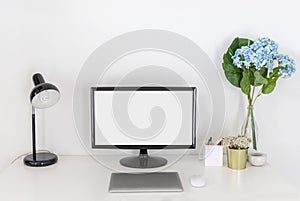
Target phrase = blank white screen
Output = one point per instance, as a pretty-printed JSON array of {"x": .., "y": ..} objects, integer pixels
[{"x": 143, "y": 117}]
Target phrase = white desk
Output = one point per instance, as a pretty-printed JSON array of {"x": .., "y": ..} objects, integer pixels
[{"x": 81, "y": 178}]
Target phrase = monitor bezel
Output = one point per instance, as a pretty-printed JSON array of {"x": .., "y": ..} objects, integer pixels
[{"x": 143, "y": 88}]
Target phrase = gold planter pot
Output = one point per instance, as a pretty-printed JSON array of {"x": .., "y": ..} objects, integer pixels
[{"x": 237, "y": 158}]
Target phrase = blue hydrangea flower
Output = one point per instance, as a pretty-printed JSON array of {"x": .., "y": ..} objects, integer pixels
[
  {"x": 266, "y": 50},
  {"x": 236, "y": 58},
  {"x": 243, "y": 57},
  {"x": 288, "y": 64},
  {"x": 260, "y": 54}
]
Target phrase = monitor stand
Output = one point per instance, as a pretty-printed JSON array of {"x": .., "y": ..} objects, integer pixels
[{"x": 143, "y": 161}]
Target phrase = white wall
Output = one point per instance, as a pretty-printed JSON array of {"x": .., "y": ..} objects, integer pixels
[{"x": 55, "y": 37}]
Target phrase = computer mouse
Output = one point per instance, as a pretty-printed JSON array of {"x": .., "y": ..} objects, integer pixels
[{"x": 198, "y": 181}]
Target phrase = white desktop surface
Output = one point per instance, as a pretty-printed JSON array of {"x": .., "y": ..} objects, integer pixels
[{"x": 81, "y": 178}]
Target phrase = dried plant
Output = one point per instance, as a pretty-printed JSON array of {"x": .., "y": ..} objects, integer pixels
[{"x": 236, "y": 142}]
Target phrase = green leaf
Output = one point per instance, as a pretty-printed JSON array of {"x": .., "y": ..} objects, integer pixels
[
  {"x": 259, "y": 79},
  {"x": 238, "y": 43},
  {"x": 233, "y": 46},
  {"x": 227, "y": 58},
  {"x": 245, "y": 83},
  {"x": 233, "y": 74},
  {"x": 244, "y": 42},
  {"x": 275, "y": 73},
  {"x": 264, "y": 72},
  {"x": 270, "y": 86}
]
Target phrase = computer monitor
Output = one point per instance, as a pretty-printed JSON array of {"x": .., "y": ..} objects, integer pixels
[{"x": 143, "y": 118}]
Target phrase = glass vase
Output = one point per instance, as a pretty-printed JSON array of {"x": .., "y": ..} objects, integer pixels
[{"x": 250, "y": 128}]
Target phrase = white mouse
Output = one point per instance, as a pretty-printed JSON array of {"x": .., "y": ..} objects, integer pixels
[{"x": 198, "y": 181}]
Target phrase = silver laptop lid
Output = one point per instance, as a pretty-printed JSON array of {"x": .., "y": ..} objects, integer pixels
[{"x": 145, "y": 182}]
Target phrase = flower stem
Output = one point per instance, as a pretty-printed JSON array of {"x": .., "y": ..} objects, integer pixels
[
  {"x": 258, "y": 95},
  {"x": 250, "y": 105},
  {"x": 247, "y": 121},
  {"x": 253, "y": 131}
]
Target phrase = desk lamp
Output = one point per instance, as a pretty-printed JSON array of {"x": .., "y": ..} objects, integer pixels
[{"x": 43, "y": 95}]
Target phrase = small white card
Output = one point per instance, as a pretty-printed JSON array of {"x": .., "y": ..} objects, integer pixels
[{"x": 213, "y": 155}]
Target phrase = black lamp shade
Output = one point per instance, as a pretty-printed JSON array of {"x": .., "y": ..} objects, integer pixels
[{"x": 43, "y": 95}]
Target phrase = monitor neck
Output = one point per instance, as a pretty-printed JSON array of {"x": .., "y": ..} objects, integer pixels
[{"x": 143, "y": 153}]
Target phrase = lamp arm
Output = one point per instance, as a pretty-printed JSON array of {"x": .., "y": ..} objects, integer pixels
[{"x": 33, "y": 134}]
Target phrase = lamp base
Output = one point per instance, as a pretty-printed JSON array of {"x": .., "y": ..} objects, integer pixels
[{"x": 42, "y": 159}]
